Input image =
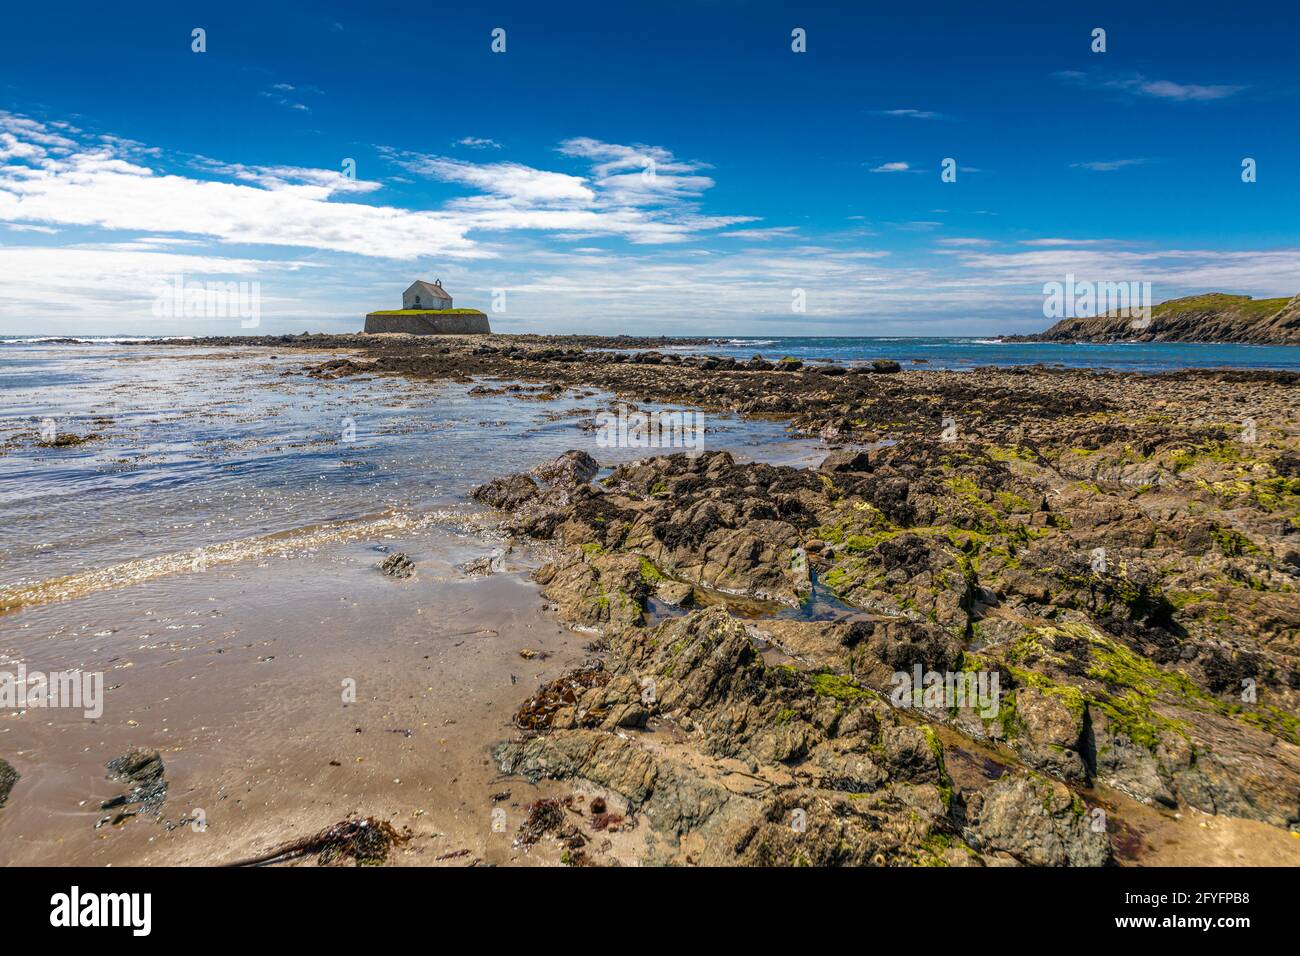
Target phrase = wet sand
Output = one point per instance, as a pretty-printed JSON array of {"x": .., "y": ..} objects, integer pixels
[{"x": 236, "y": 676}]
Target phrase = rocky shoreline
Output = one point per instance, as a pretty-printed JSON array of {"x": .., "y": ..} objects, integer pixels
[
  {"x": 1111, "y": 560},
  {"x": 1214, "y": 318}
]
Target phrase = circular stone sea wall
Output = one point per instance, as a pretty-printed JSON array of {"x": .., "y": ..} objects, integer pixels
[{"x": 429, "y": 323}]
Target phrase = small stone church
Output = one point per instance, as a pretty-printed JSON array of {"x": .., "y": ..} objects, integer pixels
[
  {"x": 423, "y": 295},
  {"x": 426, "y": 311}
]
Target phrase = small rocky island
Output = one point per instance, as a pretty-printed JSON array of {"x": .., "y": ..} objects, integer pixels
[
  {"x": 426, "y": 310},
  {"x": 1213, "y": 317}
]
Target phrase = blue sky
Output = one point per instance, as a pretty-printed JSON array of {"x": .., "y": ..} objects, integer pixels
[{"x": 671, "y": 169}]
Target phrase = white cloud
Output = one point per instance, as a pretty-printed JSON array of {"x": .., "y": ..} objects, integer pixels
[
  {"x": 1138, "y": 85},
  {"x": 1108, "y": 165},
  {"x": 56, "y": 176},
  {"x": 284, "y": 177},
  {"x": 760, "y": 235},
  {"x": 1166, "y": 89},
  {"x": 613, "y": 157},
  {"x": 96, "y": 190},
  {"x": 511, "y": 181},
  {"x": 39, "y": 134},
  {"x": 114, "y": 282},
  {"x": 476, "y": 142},
  {"x": 638, "y": 175},
  {"x": 911, "y": 113},
  {"x": 1171, "y": 272},
  {"x": 654, "y": 204},
  {"x": 279, "y": 99},
  {"x": 279, "y": 93},
  {"x": 1069, "y": 242},
  {"x": 21, "y": 227},
  {"x": 891, "y": 168},
  {"x": 13, "y": 148},
  {"x": 70, "y": 184}
]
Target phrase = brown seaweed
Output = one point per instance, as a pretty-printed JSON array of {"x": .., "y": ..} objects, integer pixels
[
  {"x": 368, "y": 841},
  {"x": 538, "y": 710}
]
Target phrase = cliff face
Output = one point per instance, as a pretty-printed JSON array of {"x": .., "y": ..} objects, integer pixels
[{"x": 1214, "y": 317}]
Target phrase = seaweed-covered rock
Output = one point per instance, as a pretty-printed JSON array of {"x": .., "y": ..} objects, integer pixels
[
  {"x": 569, "y": 470},
  {"x": 1054, "y": 734},
  {"x": 670, "y": 794},
  {"x": 506, "y": 494},
  {"x": 591, "y": 588},
  {"x": 1036, "y": 821},
  {"x": 397, "y": 565},
  {"x": 8, "y": 777},
  {"x": 846, "y": 461},
  {"x": 143, "y": 769}
]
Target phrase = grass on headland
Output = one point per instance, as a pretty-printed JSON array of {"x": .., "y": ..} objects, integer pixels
[
  {"x": 427, "y": 312},
  {"x": 1257, "y": 308}
]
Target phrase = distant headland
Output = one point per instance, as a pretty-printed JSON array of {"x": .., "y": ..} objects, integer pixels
[
  {"x": 426, "y": 310},
  {"x": 1212, "y": 317}
]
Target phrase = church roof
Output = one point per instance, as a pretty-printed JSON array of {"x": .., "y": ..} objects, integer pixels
[{"x": 434, "y": 289}]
